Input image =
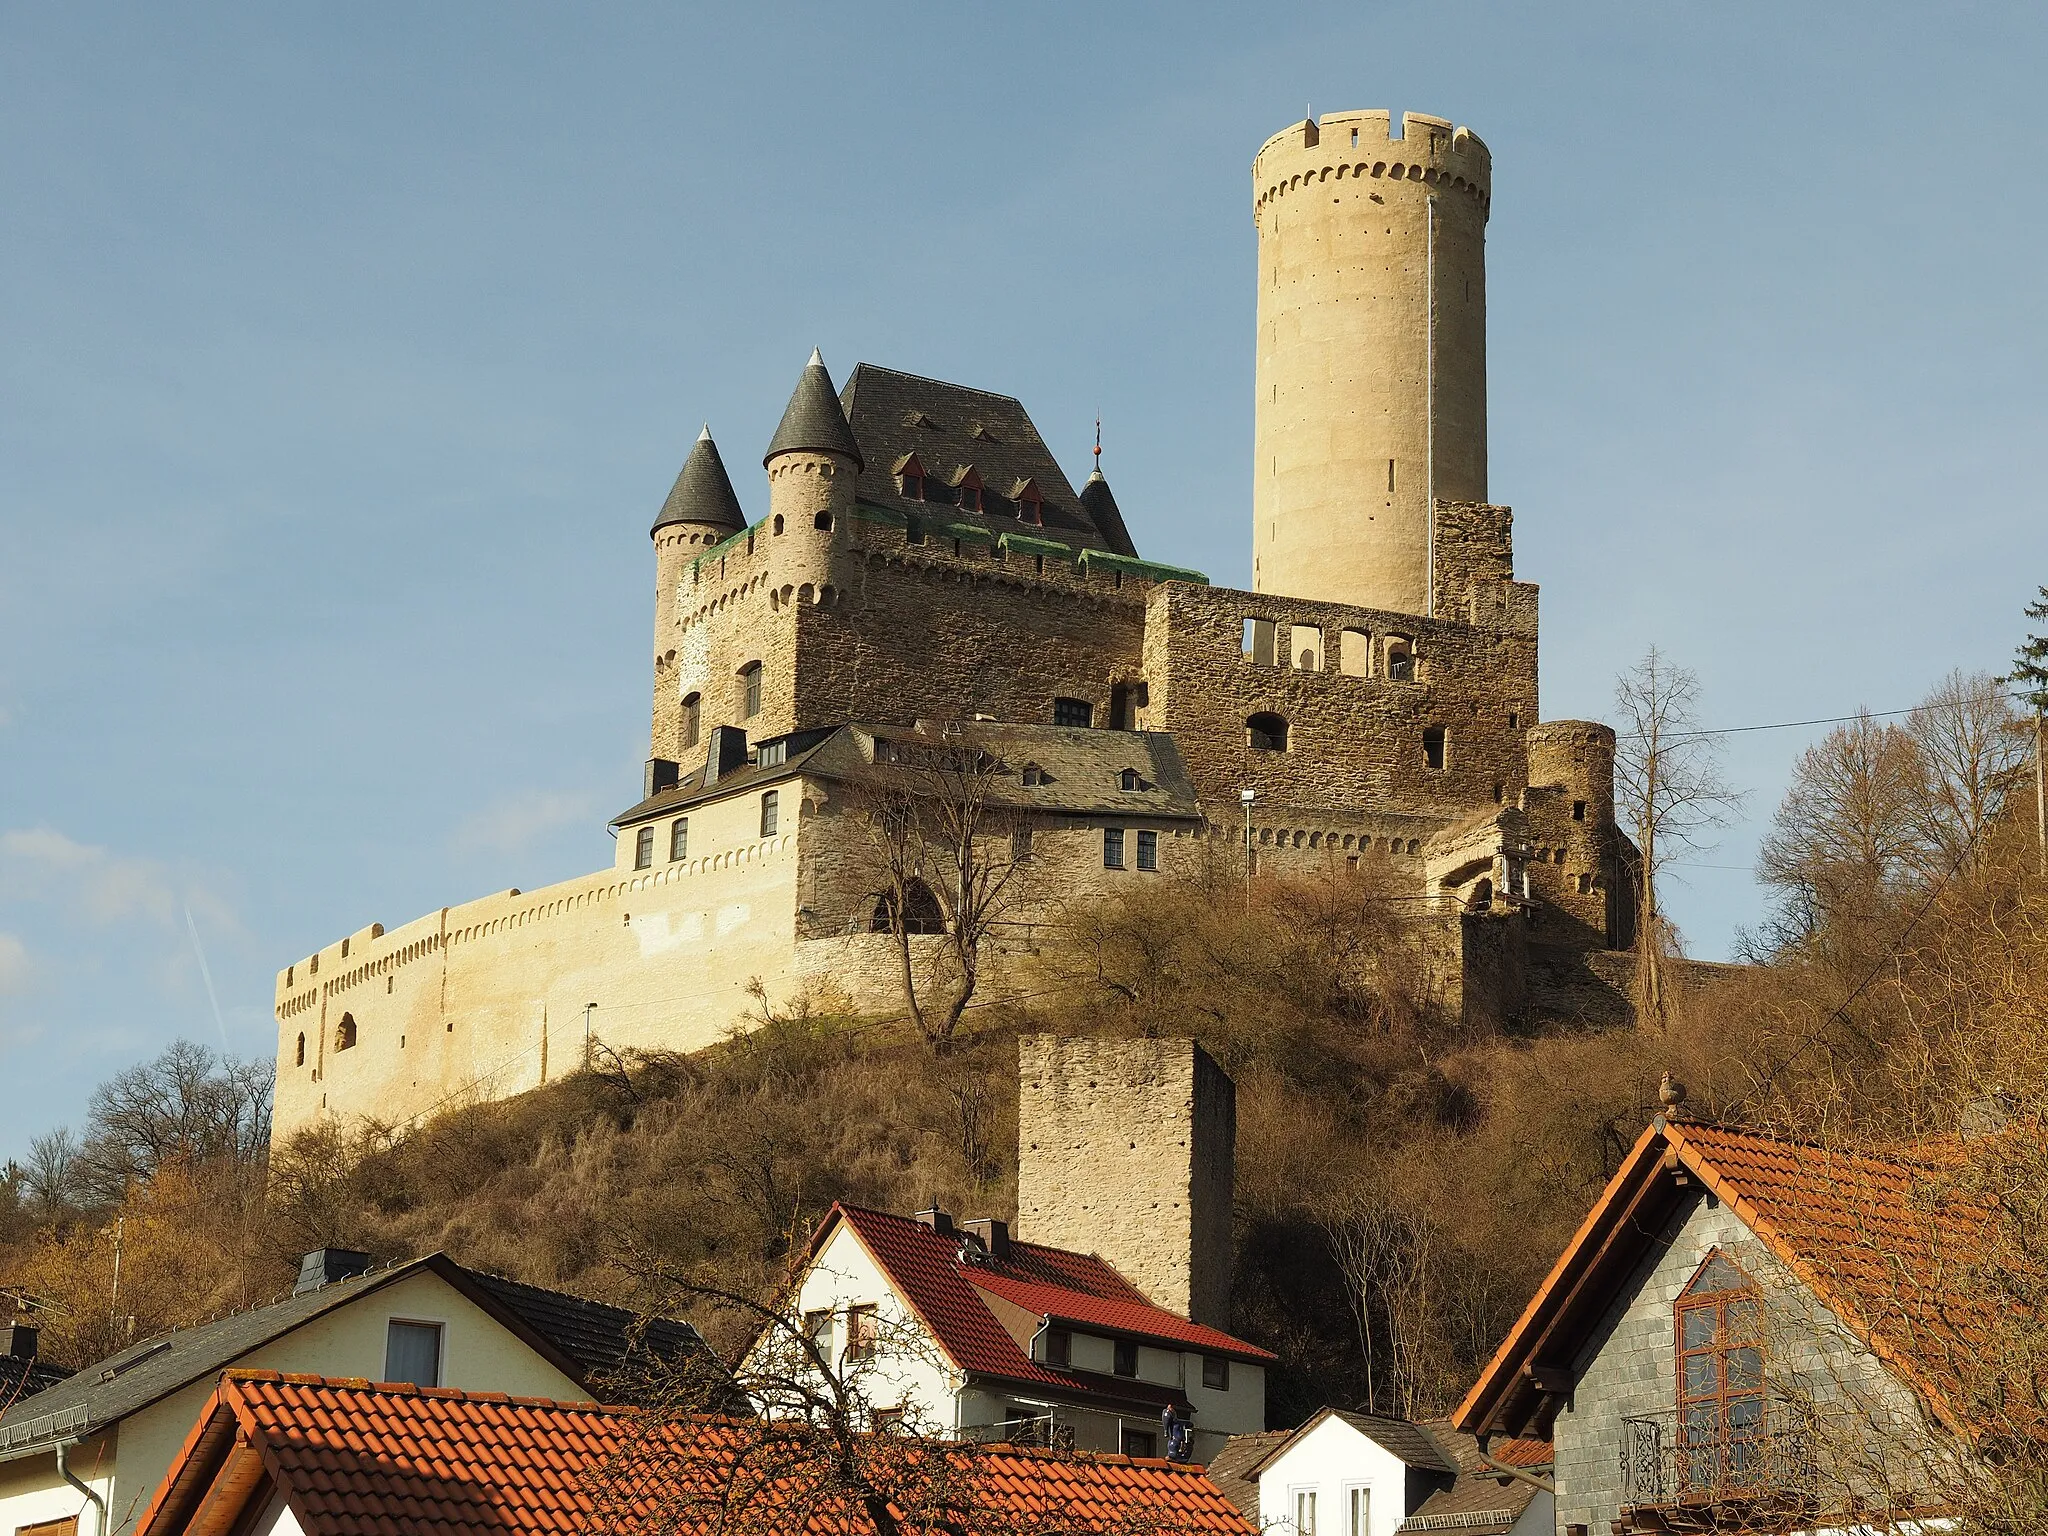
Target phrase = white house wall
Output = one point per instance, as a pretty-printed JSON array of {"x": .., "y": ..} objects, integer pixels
[
  {"x": 913, "y": 1373},
  {"x": 1332, "y": 1459}
]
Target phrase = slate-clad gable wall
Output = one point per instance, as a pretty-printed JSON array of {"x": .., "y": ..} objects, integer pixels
[{"x": 1629, "y": 1365}]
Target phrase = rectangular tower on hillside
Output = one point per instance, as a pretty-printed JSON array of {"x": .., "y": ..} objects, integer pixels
[{"x": 1128, "y": 1149}]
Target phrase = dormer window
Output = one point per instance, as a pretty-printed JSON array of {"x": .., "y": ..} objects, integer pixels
[
  {"x": 1030, "y": 503},
  {"x": 1034, "y": 776},
  {"x": 1129, "y": 780},
  {"x": 967, "y": 488},
  {"x": 910, "y": 477}
]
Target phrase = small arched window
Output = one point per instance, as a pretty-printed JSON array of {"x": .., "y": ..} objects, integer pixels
[
  {"x": 302, "y": 1048},
  {"x": 1482, "y": 897},
  {"x": 1400, "y": 659},
  {"x": 778, "y": 525},
  {"x": 1266, "y": 733},
  {"x": 345, "y": 1033},
  {"x": 750, "y": 690},
  {"x": 693, "y": 717},
  {"x": 921, "y": 912}
]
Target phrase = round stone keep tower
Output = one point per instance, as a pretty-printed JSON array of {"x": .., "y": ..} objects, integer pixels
[{"x": 1371, "y": 362}]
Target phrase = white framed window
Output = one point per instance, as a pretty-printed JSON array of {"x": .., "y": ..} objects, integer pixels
[
  {"x": 1358, "y": 1510},
  {"x": 412, "y": 1351},
  {"x": 1303, "y": 1503}
]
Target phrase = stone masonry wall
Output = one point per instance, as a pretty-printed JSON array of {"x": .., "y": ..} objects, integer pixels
[
  {"x": 1355, "y": 733},
  {"x": 1127, "y": 1149},
  {"x": 1630, "y": 1368}
]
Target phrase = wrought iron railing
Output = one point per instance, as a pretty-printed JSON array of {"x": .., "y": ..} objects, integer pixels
[{"x": 1671, "y": 1461}]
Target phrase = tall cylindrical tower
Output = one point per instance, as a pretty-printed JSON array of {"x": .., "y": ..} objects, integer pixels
[{"x": 1371, "y": 352}]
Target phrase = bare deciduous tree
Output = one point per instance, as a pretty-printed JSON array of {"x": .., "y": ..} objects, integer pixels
[
  {"x": 949, "y": 852},
  {"x": 1670, "y": 789}
]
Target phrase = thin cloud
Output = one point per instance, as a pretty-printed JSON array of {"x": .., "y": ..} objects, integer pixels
[
  {"x": 514, "y": 823},
  {"x": 14, "y": 965},
  {"x": 42, "y": 863}
]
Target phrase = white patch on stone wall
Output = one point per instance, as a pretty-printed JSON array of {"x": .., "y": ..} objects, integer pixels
[
  {"x": 734, "y": 916},
  {"x": 659, "y": 932}
]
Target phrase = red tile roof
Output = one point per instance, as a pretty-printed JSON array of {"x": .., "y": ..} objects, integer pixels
[
  {"x": 354, "y": 1459},
  {"x": 1872, "y": 1236},
  {"x": 944, "y": 1291}
]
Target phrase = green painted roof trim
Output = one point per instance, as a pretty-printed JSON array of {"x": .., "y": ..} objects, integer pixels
[
  {"x": 725, "y": 544},
  {"x": 868, "y": 512},
  {"x": 1052, "y": 549},
  {"x": 969, "y": 531},
  {"x": 1152, "y": 570}
]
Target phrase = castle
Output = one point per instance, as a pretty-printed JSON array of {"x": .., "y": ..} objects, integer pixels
[{"x": 927, "y": 580}]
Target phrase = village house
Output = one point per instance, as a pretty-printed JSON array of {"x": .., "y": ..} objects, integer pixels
[
  {"x": 84, "y": 1456},
  {"x": 1749, "y": 1333},
  {"x": 1102, "y": 1312},
  {"x": 275, "y": 1455},
  {"x": 1359, "y": 1474}
]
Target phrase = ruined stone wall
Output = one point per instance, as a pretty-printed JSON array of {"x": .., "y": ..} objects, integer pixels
[
  {"x": 1127, "y": 1149},
  {"x": 1574, "y": 868},
  {"x": 1355, "y": 733}
]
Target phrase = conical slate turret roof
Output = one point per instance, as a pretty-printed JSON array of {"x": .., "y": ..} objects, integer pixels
[
  {"x": 814, "y": 421},
  {"x": 1102, "y": 510},
  {"x": 702, "y": 492}
]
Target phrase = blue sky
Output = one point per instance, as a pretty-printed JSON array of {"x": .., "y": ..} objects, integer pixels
[{"x": 346, "y": 353}]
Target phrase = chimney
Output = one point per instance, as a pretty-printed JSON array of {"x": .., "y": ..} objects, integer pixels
[
  {"x": 727, "y": 754},
  {"x": 1127, "y": 1149},
  {"x": 993, "y": 1235},
  {"x": 939, "y": 1221},
  {"x": 324, "y": 1266},
  {"x": 661, "y": 774},
  {"x": 20, "y": 1341}
]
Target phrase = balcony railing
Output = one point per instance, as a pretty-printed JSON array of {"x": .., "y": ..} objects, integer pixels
[{"x": 1690, "y": 1464}]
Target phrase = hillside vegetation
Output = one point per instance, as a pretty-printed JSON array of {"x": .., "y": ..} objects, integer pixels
[{"x": 1402, "y": 1184}]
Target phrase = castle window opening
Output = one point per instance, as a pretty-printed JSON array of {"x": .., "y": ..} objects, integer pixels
[
  {"x": 1415, "y": 845},
  {"x": 1261, "y": 642},
  {"x": 345, "y": 1033},
  {"x": 1585, "y": 883},
  {"x": 1148, "y": 852},
  {"x": 1074, "y": 712},
  {"x": 679, "y": 840},
  {"x": 1433, "y": 747},
  {"x": 1482, "y": 896},
  {"x": 1578, "y": 810},
  {"x": 1125, "y": 1362},
  {"x": 643, "y": 848},
  {"x": 1266, "y": 733},
  {"x": 1390, "y": 477},
  {"x": 778, "y": 525},
  {"x": 1400, "y": 659},
  {"x": 822, "y": 522},
  {"x": 302, "y": 1049},
  {"x": 1305, "y": 647},
  {"x": 771, "y": 811},
  {"x": 913, "y": 531},
  {"x": 921, "y": 911},
  {"x": 693, "y": 717},
  {"x": 1500, "y": 793},
  {"x": 750, "y": 690},
  {"x": 1514, "y": 719},
  {"x": 1354, "y": 653},
  {"x": 1112, "y": 847}
]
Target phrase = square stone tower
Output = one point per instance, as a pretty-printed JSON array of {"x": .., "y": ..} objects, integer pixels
[{"x": 1128, "y": 1149}]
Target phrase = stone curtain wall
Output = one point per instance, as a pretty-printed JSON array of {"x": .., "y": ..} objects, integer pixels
[
  {"x": 1353, "y": 741},
  {"x": 1126, "y": 1149}
]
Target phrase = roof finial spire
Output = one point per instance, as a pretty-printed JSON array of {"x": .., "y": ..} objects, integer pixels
[
  {"x": 704, "y": 434},
  {"x": 817, "y": 358},
  {"x": 1098, "y": 445}
]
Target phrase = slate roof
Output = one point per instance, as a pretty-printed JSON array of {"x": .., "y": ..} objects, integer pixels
[
  {"x": 813, "y": 418},
  {"x": 21, "y": 1379},
  {"x": 1081, "y": 769},
  {"x": 1480, "y": 1501},
  {"x": 945, "y": 1291},
  {"x": 356, "y": 1460},
  {"x": 580, "y": 1338},
  {"x": 1876, "y": 1238},
  {"x": 703, "y": 491},
  {"x": 1099, "y": 503},
  {"x": 1234, "y": 1469},
  {"x": 948, "y": 427}
]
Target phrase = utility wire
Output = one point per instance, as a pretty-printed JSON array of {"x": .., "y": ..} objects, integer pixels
[{"x": 1787, "y": 725}]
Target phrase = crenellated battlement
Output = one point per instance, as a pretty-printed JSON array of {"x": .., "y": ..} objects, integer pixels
[{"x": 1361, "y": 146}]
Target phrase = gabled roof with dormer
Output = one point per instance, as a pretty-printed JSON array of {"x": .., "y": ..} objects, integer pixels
[{"x": 951, "y": 428}]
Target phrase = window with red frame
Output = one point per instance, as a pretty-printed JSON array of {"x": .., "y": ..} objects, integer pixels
[{"x": 1720, "y": 1379}]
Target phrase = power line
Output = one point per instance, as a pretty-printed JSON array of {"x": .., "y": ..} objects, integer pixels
[{"x": 1786, "y": 725}]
